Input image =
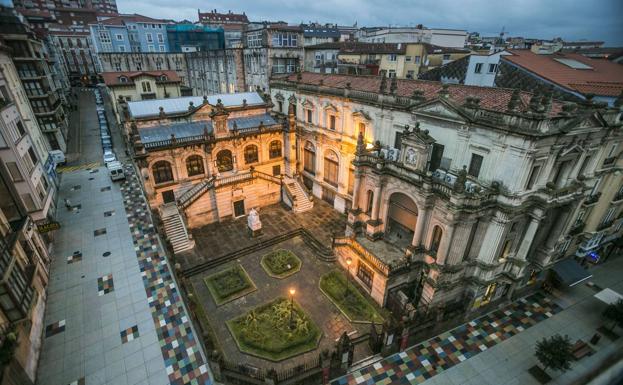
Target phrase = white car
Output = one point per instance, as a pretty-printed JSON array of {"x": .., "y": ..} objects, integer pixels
[{"x": 109, "y": 156}]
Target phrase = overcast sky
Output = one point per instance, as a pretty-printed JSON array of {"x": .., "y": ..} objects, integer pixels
[{"x": 569, "y": 19}]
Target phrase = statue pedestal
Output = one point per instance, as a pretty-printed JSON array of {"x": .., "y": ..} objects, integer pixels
[{"x": 254, "y": 223}]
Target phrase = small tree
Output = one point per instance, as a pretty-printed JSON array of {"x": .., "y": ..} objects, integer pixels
[
  {"x": 554, "y": 352},
  {"x": 614, "y": 313}
]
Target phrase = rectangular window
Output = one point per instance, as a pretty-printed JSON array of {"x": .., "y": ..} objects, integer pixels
[
  {"x": 16, "y": 175},
  {"x": 162, "y": 48},
  {"x": 309, "y": 116},
  {"x": 408, "y": 58},
  {"x": 474, "y": 165},
  {"x": 436, "y": 155},
  {"x": 398, "y": 140},
  {"x": 478, "y": 68},
  {"x": 330, "y": 171},
  {"x": 391, "y": 74},
  {"x": 351, "y": 180},
  {"x": 277, "y": 170},
  {"x": 446, "y": 57},
  {"x": 417, "y": 60},
  {"x": 121, "y": 48},
  {"x": 391, "y": 57},
  {"x": 309, "y": 161},
  {"x": 365, "y": 274},
  {"x": 151, "y": 48},
  {"x": 20, "y": 128},
  {"x": 32, "y": 155},
  {"x": 534, "y": 174},
  {"x": 332, "y": 122},
  {"x": 493, "y": 68},
  {"x": 160, "y": 38},
  {"x": 119, "y": 37},
  {"x": 150, "y": 38}
]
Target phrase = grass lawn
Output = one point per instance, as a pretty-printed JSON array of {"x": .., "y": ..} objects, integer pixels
[
  {"x": 265, "y": 331},
  {"x": 281, "y": 263},
  {"x": 355, "y": 306},
  {"x": 229, "y": 284}
]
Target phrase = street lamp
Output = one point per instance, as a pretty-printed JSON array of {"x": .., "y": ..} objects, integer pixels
[
  {"x": 348, "y": 262},
  {"x": 292, "y": 292}
]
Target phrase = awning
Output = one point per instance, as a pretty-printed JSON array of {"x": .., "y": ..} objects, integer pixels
[
  {"x": 608, "y": 296},
  {"x": 570, "y": 272}
]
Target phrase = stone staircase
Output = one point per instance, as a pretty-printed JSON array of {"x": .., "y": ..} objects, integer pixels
[
  {"x": 174, "y": 228},
  {"x": 301, "y": 201}
]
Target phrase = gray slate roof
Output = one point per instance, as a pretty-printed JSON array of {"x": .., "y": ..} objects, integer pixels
[
  {"x": 147, "y": 108},
  {"x": 251, "y": 121},
  {"x": 181, "y": 130}
]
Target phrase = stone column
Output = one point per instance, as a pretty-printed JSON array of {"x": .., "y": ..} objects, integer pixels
[
  {"x": 459, "y": 243},
  {"x": 528, "y": 237},
  {"x": 493, "y": 238},
  {"x": 419, "y": 227},
  {"x": 377, "y": 202},
  {"x": 444, "y": 247},
  {"x": 356, "y": 186}
]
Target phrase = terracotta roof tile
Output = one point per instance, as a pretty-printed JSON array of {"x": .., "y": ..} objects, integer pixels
[
  {"x": 491, "y": 98},
  {"x": 112, "y": 78},
  {"x": 604, "y": 78}
]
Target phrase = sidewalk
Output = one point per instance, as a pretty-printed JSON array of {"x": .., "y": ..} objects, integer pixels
[{"x": 498, "y": 348}]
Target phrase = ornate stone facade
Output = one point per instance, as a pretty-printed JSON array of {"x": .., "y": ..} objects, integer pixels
[{"x": 461, "y": 196}]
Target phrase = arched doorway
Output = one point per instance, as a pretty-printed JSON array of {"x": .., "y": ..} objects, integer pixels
[{"x": 402, "y": 215}]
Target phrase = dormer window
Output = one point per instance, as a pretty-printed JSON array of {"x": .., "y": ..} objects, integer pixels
[
  {"x": 163, "y": 78},
  {"x": 123, "y": 79}
]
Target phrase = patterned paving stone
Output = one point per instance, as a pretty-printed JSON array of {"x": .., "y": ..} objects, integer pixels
[
  {"x": 183, "y": 361},
  {"x": 105, "y": 285},
  {"x": 55, "y": 328},
  {"x": 129, "y": 334},
  {"x": 423, "y": 361}
]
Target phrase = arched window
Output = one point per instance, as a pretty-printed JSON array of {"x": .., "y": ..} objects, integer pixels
[
  {"x": 369, "y": 202},
  {"x": 331, "y": 167},
  {"x": 274, "y": 150},
  {"x": 194, "y": 165},
  {"x": 123, "y": 79},
  {"x": 162, "y": 172},
  {"x": 436, "y": 240},
  {"x": 163, "y": 78},
  {"x": 250, "y": 154},
  {"x": 309, "y": 163},
  {"x": 224, "y": 161}
]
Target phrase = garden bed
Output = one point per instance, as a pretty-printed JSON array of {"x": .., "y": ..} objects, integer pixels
[
  {"x": 281, "y": 263},
  {"x": 229, "y": 284},
  {"x": 354, "y": 305},
  {"x": 265, "y": 331}
]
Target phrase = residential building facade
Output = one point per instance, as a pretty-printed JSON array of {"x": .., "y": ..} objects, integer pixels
[
  {"x": 233, "y": 25},
  {"x": 457, "y": 196},
  {"x": 436, "y": 36},
  {"x": 77, "y": 55},
  {"x": 476, "y": 69},
  {"x": 192, "y": 38},
  {"x": 130, "y": 33},
  {"x": 272, "y": 49},
  {"x": 216, "y": 71},
  {"x": 145, "y": 61}
]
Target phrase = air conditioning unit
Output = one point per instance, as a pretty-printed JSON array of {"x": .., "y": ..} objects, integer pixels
[{"x": 450, "y": 179}]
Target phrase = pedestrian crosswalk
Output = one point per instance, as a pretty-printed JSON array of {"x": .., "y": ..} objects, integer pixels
[{"x": 78, "y": 167}]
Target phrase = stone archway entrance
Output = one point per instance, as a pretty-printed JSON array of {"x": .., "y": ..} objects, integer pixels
[{"x": 402, "y": 215}]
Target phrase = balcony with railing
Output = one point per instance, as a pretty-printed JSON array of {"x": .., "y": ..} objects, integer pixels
[
  {"x": 16, "y": 290},
  {"x": 609, "y": 162},
  {"x": 577, "y": 228},
  {"x": 592, "y": 199},
  {"x": 605, "y": 224}
]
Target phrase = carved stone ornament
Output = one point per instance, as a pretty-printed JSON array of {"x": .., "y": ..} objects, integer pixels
[{"x": 411, "y": 157}]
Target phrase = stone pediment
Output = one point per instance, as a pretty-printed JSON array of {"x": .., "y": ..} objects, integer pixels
[
  {"x": 571, "y": 149},
  {"x": 307, "y": 104},
  {"x": 362, "y": 114},
  {"x": 330, "y": 107},
  {"x": 439, "y": 108}
]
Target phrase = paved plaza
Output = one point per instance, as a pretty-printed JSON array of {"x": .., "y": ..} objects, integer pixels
[
  {"x": 113, "y": 314},
  {"x": 225, "y": 237},
  {"x": 498, "y": 348}
]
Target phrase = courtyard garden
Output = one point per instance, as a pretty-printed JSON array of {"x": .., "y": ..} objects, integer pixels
[
  {"x": 229, "y": 284},
  {"x": 281, "y": 263},
  {"x": 345, "y": 295},
  {"x": 275, "y": 330}
]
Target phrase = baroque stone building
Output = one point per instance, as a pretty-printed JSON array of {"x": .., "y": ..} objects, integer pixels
[
  {"x": 211, "y": 158},
  {"x": 457, "y": 196}
]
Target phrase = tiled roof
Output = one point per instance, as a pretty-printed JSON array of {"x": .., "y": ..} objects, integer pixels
[
  {"x": 147, "y": 108},
  {"x": 491, "y": 98},
  {"x": 252, "y": 121},
  {"x": 223, "y": 17},
  {"x": 112, "y": 78},
  {"x": 435, "y": 49},
  {"x": 604, "y": 78},
  {"x": 135, "y": 18}
]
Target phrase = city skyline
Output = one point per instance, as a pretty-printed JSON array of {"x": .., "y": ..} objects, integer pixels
[{"x": 528, "y": 18}]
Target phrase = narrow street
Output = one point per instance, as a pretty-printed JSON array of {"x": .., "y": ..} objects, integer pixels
[{"x": 113, "y": 313}]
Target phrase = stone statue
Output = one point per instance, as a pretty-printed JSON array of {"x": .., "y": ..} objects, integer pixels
[
  {"x": 254, "y": 223},
  {"x": 411, "y": 157}
]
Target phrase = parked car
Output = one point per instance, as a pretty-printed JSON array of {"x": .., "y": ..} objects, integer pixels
[
  {"x": 115, "y": 170},
  {"x": 107, "y": 142},
  {"x": 109, "y": 156}
]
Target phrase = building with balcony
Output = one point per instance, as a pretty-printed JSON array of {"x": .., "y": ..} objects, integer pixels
[
  {"x": 452, "y": 38},
  {"x": 216, "y": 71},
  {"x": 140, "y": 85},
  {"x": 271, "y": 49},
  {"x": 145, "y": 61},
  {"x": 212, "y": 158},
  {"x": 77, "y": 55},
  {"x": 458, "y": 197},
  {"x": 24, "y": 275},
  {"x": 39, "y": 80},
  {"x": 233, "y": 25}
]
